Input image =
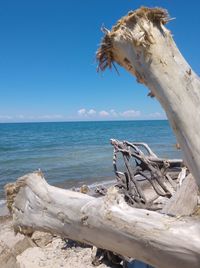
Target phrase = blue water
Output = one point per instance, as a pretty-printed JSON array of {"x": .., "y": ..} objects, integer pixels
[{"x": 74, "y": 152}]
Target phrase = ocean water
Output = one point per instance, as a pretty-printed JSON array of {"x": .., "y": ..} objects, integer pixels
[{"x": 73, "y": 153}]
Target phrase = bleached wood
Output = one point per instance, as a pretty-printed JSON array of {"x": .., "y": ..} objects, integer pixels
[
  {"x": 185, "y": 200},
  {"x": 144, "y": 47},
  {"x": 107, "y": 222},
  {"x": 146, "y": 147}
]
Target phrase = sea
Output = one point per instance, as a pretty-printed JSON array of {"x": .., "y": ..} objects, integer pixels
[{"x": 74, "y": 153}]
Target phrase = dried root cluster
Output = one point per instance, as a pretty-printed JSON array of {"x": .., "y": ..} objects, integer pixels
[{"x": 144, "y": 177}]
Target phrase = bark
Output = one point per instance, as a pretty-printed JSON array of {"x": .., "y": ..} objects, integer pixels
[
  {"x": 144, "y": 47},
  {"x": 107, "y": 222}
]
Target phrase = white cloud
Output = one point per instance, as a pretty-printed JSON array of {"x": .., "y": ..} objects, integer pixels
[
  {"x": 113, "y": 113},
  {"x": 130, "y": 114},
  {"x": 91, "y": 112},
  {"x": 20, "y": 116},
  {"x": 86, "y": 113},
  {"x": 49, "y": 116},
  {"x": 31, "y": 118},
  {"x": 104, "y": 113},
  {"x": 157, "y": 115},
  {"x": 6, "y": 117},
  {"x": 82, "y": 111}
]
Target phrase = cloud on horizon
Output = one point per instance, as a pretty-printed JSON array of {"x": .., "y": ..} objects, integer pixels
[
  {"x": 157, "y": 115},
  {"x": 130, "y": 114},
  {"x": 104, "y": 114},
  {"x": 31, "y": 118},
  {"x": 84, "y": 114}
]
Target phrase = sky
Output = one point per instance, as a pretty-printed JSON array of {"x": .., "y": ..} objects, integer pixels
[{"x": 48, "y": 67}]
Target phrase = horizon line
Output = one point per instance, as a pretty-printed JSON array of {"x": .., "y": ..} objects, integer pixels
[{"x": 82, "y": 121}]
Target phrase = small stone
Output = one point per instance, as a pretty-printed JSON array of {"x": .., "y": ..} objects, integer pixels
[{"x": 42, "y": 239}]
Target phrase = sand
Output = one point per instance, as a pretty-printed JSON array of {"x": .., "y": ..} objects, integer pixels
[{"x": 41, "y": 250}]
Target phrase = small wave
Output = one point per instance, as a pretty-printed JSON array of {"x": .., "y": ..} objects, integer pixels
[
  {"x": 103, "y": 183},
  {"x": 108, "y": 183}
]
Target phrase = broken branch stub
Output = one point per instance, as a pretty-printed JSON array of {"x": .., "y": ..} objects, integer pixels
[{"x": 144, "y": 47}]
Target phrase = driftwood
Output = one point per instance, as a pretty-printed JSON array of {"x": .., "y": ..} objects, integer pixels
[
  {"x": 107, "y": 222},
  {"x": 148, "y": 167},
  {"x": 112, "y": 223},
  {"x": 143, "y": 171},
  {"x": 141, "y": 44},
  {"x": 184, "y": 201},
  {"x": 144, "y": 47}
]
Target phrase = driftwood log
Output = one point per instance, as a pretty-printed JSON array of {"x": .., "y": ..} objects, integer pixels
[
  {"x": 107, "y": 222},
  {"x": 123, "y": 220},
  {"x": 144, "y": 47}
]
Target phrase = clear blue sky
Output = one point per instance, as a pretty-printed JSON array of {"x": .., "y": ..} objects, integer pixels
[{"x": 47, "y": 60}]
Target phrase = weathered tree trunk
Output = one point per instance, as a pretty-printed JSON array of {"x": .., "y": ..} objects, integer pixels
[
  {"x": 142, "y": 45},
  {"x": 107, "y": 222}
]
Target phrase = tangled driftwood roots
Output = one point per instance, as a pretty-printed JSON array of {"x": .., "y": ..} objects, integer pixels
[{"x": 145, "y": 170}]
